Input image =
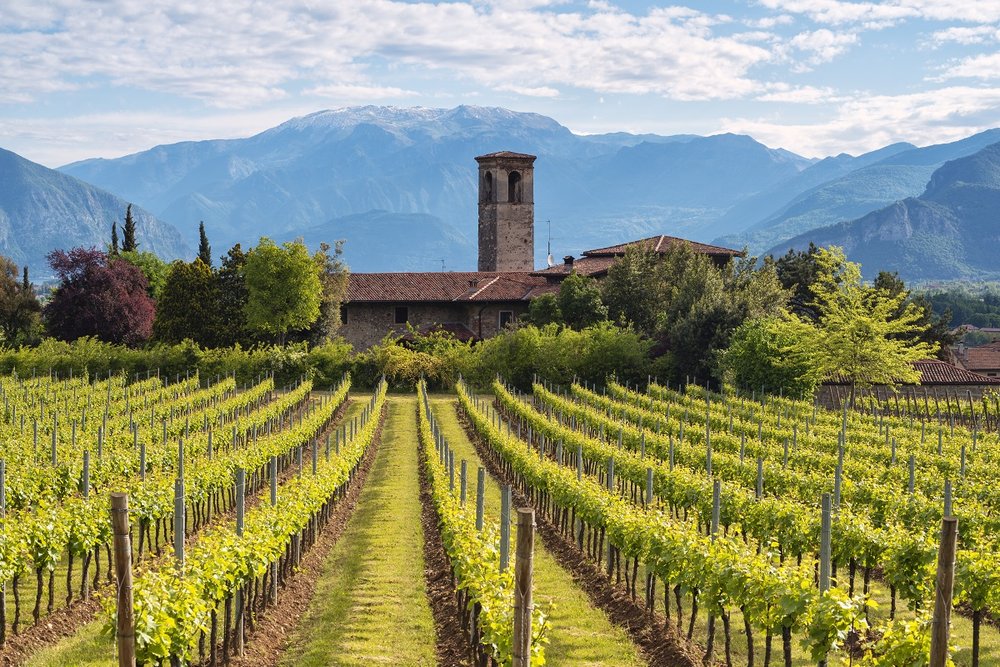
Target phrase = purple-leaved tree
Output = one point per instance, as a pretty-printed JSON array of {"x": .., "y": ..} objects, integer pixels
[{"x": 98, "y": 296}]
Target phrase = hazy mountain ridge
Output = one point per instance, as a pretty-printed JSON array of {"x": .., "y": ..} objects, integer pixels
[
  {"x": 948, "y": 232},
  {"x": 42, "y": 209},
  {"x": 868, "y": 186},
  {"x": 330, "y": 167},
  {"x": 357, "y": 172}
]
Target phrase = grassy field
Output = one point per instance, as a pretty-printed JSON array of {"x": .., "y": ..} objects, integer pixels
[
  {"x": 579, "y": 633},
  {"x": 370, "y": 605}
]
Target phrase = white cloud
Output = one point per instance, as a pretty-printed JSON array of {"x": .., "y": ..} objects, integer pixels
[
  {"x": 965, "y": 35},
  {"x": 866, "y": 122},
  {"x": 530, "y": 91},
  {"x": 983, "y": 66},
  {"x": 242, "y": 53},
  {"x": 883, "y": 14},
  {"x": 823, "y": 45},
  {"x": 799, "y": 95},
  {"x": 768, "y": 22},
  {"x": 359, "y": 92}
]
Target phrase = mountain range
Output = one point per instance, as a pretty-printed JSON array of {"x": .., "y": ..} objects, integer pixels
[
  {"x": 42, "y": 209},
  {"x": 950, "y": 231},
  {"x": 399, "y": 185}
]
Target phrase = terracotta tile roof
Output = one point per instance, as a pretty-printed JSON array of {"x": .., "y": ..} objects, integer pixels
[
  {"x": 587, "y": 266},
  {"x": 505, "y": 154},
  {"x": 983, "y": 357},
  {"x": 936, "y": 372},
  {"x": 472, "y": 286},
  {"x": 660, "y": 244}
]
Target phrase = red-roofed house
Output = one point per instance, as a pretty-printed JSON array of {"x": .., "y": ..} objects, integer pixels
[
  {"x": 473, "y": 305},
  {"x": 983, "y": 359}
]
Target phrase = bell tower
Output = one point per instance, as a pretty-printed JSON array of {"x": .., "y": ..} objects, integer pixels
[{"x": 506, "y": 212}]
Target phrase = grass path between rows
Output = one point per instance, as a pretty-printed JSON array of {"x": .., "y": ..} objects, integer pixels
[
  {"x": 579, "y": 633},
  {"x": 370, "y": 605}
]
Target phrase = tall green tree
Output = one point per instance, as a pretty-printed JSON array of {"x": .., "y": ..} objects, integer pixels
[
  {"x": 232, "y": 298},
  {"x": 154, "y": 268},
  {"x": 114, "y": 238},
  {"x": 798, "y": 270},
  {"x": 129, "y": 243},
  {"x": 756, "y": 360},
  {"x": 333, "y": 279},
  {"x": 187, "y": 305},
  {"x": 580, "y": 302},
  {"x": 863, "y": 333},
  {"x": 20, "y": 310},
  {"x": 283, "y": 288},
  {"x": 544, "y": 310},
  {"x": 633, "y": 290},
  {"x": 689, "y": 305},
  {"x": 204, "y": 249},
  {"x": 936, "y": 329}
]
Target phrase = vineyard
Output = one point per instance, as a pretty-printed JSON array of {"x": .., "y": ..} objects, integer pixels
[{"x": 670, "y": 525}]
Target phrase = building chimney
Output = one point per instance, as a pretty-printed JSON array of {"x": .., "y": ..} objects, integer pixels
[{"x": 568, "y": 261}]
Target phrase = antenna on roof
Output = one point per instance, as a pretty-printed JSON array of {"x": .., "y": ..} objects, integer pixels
[
  {"x": 442, "y": 265},
  {"x": 548, "y": 255}
]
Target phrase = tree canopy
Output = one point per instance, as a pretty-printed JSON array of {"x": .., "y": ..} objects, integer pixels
[
  {"x": 129, "y": 244},
  {"x": 866, "y": 334},
  {"x": 283, "y": 288},
  {"x": 100, "y": 297},
  {"x": 333, "y": 279},
  {"x": 20, "y": 309},
  {"x": 204, "y": 249},
  {"x": 153, "y": 268},
  {"x": 188, "y": 305}
]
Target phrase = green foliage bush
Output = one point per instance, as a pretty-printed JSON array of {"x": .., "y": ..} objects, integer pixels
[
  {"x": 560, "y": 354},
  {"x": 554, "y": 352},
  {"x": 323, "y": 363}
]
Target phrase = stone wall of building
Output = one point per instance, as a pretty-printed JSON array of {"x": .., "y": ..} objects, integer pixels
[{"x": 368, "y": 323}]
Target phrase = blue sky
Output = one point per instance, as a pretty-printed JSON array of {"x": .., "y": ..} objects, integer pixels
[{"x": 818, "y": 77}]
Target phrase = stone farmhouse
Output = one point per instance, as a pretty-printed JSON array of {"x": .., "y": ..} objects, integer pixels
[{"x": 473, "y": 305}]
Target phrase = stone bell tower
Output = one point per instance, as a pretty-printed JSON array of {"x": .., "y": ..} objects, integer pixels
[{"x": 506, "y": 212}]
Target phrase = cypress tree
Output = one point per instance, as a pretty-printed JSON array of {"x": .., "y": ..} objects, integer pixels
[
  {"x": 114, "y": 238},
  {"x": 128, "y": 243},
  {"x": 204, "y": 249},
  {"x": 25, "y": 283}
]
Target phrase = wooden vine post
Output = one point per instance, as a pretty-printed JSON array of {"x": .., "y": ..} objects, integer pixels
[
  {"x": 125, "y": 634},
  {"x": 241, "y": 486},
  {"x": 523, "y": 566},
  {"x": 941, "y": 622}
]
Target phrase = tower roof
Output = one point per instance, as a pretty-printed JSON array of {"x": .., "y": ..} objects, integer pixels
[{"x": 505, "y": 155}]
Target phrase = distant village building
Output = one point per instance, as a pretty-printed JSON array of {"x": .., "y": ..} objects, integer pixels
[
  {"x": 473, "y": 305},
  {"x": 940, "y": 384},
  {"x": 983, "y": 359}
]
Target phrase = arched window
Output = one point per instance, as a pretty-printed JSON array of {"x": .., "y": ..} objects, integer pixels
[
  {"x": 514, "y": 187},
  {"x": 487, "y": 189}
]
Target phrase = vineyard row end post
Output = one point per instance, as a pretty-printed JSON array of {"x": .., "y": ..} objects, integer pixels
[{"x": 125, "y": 634}]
